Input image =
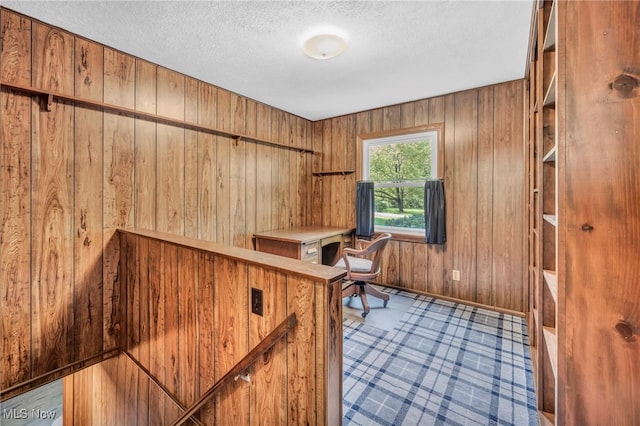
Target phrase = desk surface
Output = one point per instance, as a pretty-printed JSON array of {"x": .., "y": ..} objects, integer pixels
[{"x": 303, "y": 234}]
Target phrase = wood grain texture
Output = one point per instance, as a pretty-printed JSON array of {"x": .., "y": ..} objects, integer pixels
[
  {"x": 231, "y": 340},
  {"x": 464, "y": 195},
  {"x": 145, "y": 147},
  {"x": 509, "y": 206},
  {"x": 207, "y": 160},
  {"x": 15, "y": 57},
  {"x": 88, "y": 214},
  {"x": 15, "y": 205},
  {"x": 268, "y": 391},
  {"x": 52, "y": 204},
  {"x": 599, "y": 186},
  {"x": 484, "y": 255},
  {"x": 191, "y": 190},
  {"x": 471, "y": 156},
  {"x": 301, "y": 349}
]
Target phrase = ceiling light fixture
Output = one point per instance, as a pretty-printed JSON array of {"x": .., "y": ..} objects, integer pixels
[{"x": 324, "y": 46}]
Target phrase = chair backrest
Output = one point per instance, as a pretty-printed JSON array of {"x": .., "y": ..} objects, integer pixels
[{"x": 373, "y": 251}]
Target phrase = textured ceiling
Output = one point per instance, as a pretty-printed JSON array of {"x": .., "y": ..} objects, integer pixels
[{"x": 397, "y": 52}]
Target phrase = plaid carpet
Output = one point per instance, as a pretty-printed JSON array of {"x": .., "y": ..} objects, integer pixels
[{"x": 443, "y": 364}]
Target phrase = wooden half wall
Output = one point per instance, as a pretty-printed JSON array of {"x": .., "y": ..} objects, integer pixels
[
  {"x": 189, "y": 320},
  {"x": 484, "y": 181},
  {"x": 72, "y": 174}
]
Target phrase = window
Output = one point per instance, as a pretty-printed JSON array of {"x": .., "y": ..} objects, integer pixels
[{"x": 399, "y": 164}]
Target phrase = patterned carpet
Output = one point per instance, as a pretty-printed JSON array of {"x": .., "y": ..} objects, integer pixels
[{"x": 442, "y": 364}]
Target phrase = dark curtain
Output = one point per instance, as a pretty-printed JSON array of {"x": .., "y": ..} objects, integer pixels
[
  {"x": 434, "y": 213},
  {"x": 364, "y": 208}
]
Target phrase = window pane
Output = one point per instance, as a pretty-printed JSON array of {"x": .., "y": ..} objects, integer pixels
[
  {"x": 400, "y": 207},
  {"x": 398, "y": 162}
]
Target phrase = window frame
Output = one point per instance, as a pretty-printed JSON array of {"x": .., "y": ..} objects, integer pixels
[{"x": 438, "y": 128}]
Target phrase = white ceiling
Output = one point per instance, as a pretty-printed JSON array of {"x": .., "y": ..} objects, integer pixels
[{"x": 397, "y": 51}]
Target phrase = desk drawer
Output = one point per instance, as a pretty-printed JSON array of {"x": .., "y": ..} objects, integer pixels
[{"x": 311, "y": 252}]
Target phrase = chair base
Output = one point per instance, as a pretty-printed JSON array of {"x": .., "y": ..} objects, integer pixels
[{"x": 361, "y": 289}]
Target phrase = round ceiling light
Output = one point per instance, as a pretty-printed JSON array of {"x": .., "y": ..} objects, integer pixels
[{"x": 324, "y": 46}]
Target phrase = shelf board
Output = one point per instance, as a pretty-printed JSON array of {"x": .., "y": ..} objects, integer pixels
[
  {"x": 333, "y": 172},
  {"x": 546, "y": 419},
  {"x": 76, "y": 100},
  {"x": 551, "y": 342},
  {"x": 550, "y": 36},
  {"x": 550, "y": 156},
  {"x": 550, "y": 96},
  {"x": 550, "y": 218},
  {"x": 551, "y": 278}
]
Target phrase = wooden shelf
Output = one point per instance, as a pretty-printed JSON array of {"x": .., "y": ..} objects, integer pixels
[
  {"x": 50, "y": 96},
  {"x": 551, "y": 343},
  {"x": 333, "y": 172},
  {"x": 550, "y": 36},
  {"x": 550, "y": 218},
  {"x": 550, "y": 157},
  {"x": 551, "y": 278},
  {"x": 550, "y": 96}
]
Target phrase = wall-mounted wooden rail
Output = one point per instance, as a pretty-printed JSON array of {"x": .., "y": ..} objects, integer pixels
[
  {"x": 278, "y": 333},
  {"x": 50, "y": 96},
  {"x": 57, "y": 373}
]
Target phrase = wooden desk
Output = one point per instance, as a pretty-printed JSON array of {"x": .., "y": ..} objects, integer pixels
[{"x": 314, "y": 244}]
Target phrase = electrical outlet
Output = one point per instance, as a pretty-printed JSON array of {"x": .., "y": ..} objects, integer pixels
[
  {"x": 256, "y": 301},
  {"x": 455, "y": 275}
]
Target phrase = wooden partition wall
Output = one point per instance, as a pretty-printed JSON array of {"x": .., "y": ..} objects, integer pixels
[
  {"x": 71, "y": 175},
  {"x": 189, "y": 321},
  {"x": 484, "y": 189}
]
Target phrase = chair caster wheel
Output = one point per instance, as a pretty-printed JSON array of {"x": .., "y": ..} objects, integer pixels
[
  {"x": 364, "y": 314},
  {"x": 385, "y": 303}
]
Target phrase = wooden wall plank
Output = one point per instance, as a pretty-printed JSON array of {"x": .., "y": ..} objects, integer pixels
[
  {"x": 170, "y": 154},
  {"x": 449, "y": 170},
  {"x": 157, "y": 329},
  {"x": 119, "y": 89},
  {"x": 88, "y": 214},
  {"x": 301, "y": 370},
  {"x": 436, "y": 253},
  {"x": 237, "y": 175},
  {"x": 251, "y": 175},
  {"x": 188, "y": 330},
  {"x": 15, "y": 202},
  {"x": 191, "y": 190},
  {"x": 508, "y": 256},
  {"x": 52, "y": 204},
  {"x": 15, "y": 57},
  {"x": 223, "y": 169},
  {"x": 206, "y": 333},
  {"x": 207, "y": 160},
  {"x": 484, "y": 254},
  {"x": 268, "y": 390},
  {"x": 145, "y": 147},
  {"x": 263, "y": 171},
  {"x": 231, "y": 340},
  {"x": 169, "y": 277},
  {"x": 464, "y": 195}
]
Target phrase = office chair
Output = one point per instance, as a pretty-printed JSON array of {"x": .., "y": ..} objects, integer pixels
[{"x": 363, "y": 265}]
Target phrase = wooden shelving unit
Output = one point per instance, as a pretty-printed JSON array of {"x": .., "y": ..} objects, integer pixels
[
  {"x": 584, "y": 322},
  {"x": 543, "y": 222}
]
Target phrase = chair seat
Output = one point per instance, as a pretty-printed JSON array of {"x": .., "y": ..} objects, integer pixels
[{"x": 357, "y": 264}]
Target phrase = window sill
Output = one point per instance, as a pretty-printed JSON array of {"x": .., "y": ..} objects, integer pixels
[{"x": 412, "y": 238}]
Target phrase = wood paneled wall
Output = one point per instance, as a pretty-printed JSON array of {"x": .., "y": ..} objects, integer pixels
[
  {"x": 71, "y": 175},
  {"x": 484, "y": 186},
  {"x": 189, "y": 321}
]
